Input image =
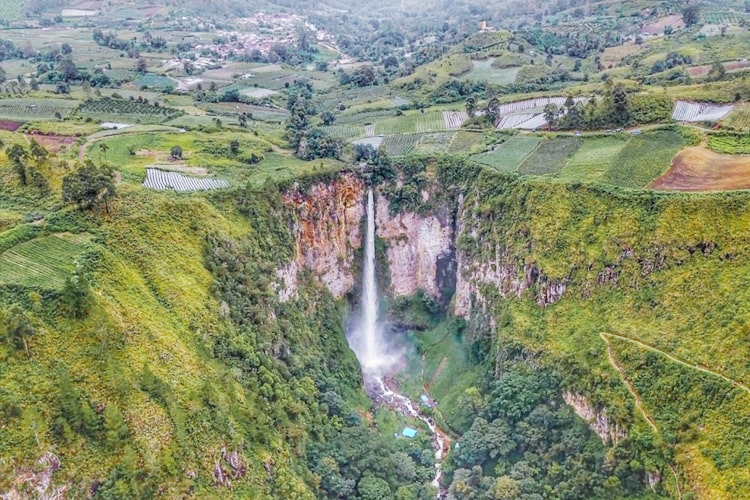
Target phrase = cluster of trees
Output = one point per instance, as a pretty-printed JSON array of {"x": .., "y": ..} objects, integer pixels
[
  {"x": 613, "y": 111},
  {"x": 89, "y": 186},
  {"x": 524, "y": 442},
  {"x": 28, "y": 174},
  {"x": 307, "y": 141}
]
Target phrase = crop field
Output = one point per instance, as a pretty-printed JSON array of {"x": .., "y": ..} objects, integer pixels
[
  {"x": 343, "y": 131},
  {"x": 364, "y": 118},
  {"x": 24, "y": 110},
  {"x": 593, "y": 158},
  {"x": 465, "y": 141},
  {"x": 454, "y": 119},
  {"x": 429, "y": 121},
  {"x": 729, "y": 143},
  {"x": 483, "y": 71},
  {"x": 350, "y": 97},
  {"x": 644, "y": 158},
  {"x": 739, "y": 118},
  {"x": 131, "y": 110},
  {"x": 10, "y": 10},
  {"x": 375, "y": 142},
  {"x": 174, "y": 181},
  {"x": 397, "y": 145},
  {"x": 156, "y": 81},
  {"x": 435, "y": 143},
  {"x": 508, "y": 156},
  {"x": 42, "y": 262},
  {"x": 699, "y": 169},
  {"x": 550, "y": 156}
]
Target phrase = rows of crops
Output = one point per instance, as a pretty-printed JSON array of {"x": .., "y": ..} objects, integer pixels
[
  {"x": 644, "y": 158},
  {"x": 685, "y": 111},
  {"x": 454, "y": 119},
  {"x": 134, "y": 109},
  {"x": 508, "y": 156},
  {"x": 174, "y": 181},
  {"x": 346, "y": 131},
  {"x": 10, "y": 10},
  {"x": 36, "y": 109},
  {"x": 369, "y": 116},
  {"x": 350, "y": 97},
  {"x": 593, "y": 158},
  {"x": 550, "y": 156},
  {"x": 438, "y": 142},
  {"x": 729, "y": 143},
  {"x": 398, "y": 145},
  {"x": 429, "y": 121},
  {"x": 41, "y": 263},
  {"x": 522, "y": 121},
  {"x": 739, "y": 118},
  {"x": 464, "y": 141}
]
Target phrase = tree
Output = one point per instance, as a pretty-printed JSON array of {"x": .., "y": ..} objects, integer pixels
[
  {"x": 327, "y": 117},
  {"x": 620, "y": 107},
  {"x": 691, "y": 15},
  {"x": 89, "y": 186},
  {"x": 115, "y": 428},
  {"x": 471, "y": 106},
  {"x": 551, "y": 114},
  {"x": 16, "y": 154},
  {"x": 67, "y": 69},
  {"x": 3, "y": 75},
  {"x": 176, "y": 153},
  {"x": 17, "y": 328},
  {"x": 103, "y": 148},
  {"x": 374, "y": 488},
  {"x": 141, "y": 66},
  {"x": 76, "y": 297},
  {"x": 37, "y": 151},
  {"x": 492, "y": 111}
]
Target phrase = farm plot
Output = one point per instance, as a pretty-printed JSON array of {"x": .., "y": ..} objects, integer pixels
[
  {"x": 42, "y": 262},
  {"x": 435, "y": 143},
  {"x": 375, "y": 142},
  {"x": 344, "y": 131},
  {"x": 729, "y": 143},
  {"x": 398, "y": 145},
  {"x": 429, "y": 121},
  {"x": 465, "y": 141},
  {"x": 739, "y": 118},
  {"x": 118, "y": 109},
  {"x": 698, "y": 169},
  {"x": 508, "y": 156},
  {"x": 540, "y": 102},
  {"x": 10, "y": 10},
  {"x": 593, "y": 158},
  {"x": 24, "y": 110},
  {"x": 174, "y": 181},
  {"x": 484, "y": 71},
  {"x": 525, "y": 121},
  {"x": 685, "y": 111},
  {"x": 644, "y": 158},
  {"x": 550, "y": 156},
  {"x": 454, "y": 119}
]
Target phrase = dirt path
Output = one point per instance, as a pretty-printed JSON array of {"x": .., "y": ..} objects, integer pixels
[
  {"x": 651, "y": 348},
  {"x": 631, "y": 389}
]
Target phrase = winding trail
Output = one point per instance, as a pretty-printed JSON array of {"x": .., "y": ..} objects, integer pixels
[
  {"x": 651, "y": 348},
  {"x": 631, "y": 389}
]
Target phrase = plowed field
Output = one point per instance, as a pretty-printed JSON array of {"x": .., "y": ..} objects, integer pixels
[{"x": 698, "y": 169}]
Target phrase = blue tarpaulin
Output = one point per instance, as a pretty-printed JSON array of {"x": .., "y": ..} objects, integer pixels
[{"x": 409, "y": 432}]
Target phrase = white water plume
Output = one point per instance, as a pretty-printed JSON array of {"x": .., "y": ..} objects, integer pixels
[{"x": 366, "y": 339}]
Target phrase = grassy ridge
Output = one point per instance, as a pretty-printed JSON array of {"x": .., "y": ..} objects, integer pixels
[{"x": 665, "y": 270}]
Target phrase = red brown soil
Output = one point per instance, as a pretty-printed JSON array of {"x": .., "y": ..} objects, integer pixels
[
  {"x": 700, "y": 169},
  {"x": 658, "y": 26},
  {"x": 729, "y": 67},
  {"x": 52, "y": 142},
  {"x": 10, "y": 125}
]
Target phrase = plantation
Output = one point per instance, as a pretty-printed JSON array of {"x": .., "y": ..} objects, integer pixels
[
  {"x": 43, "y": 263},
  {"x": 739, "y": 118},
  {"x": 174, "y": 181},
  {"x": 126, "y": 109},
  {"x": 24, "y": 109},
  {"x": 507, "y": 156},
  {"x": 10, "y": 10}
]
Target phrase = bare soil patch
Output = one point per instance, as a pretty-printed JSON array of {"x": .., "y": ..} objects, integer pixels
[
  {"x": 657, "y": 27},
  {"x": 612, "y": 56},
  {"x": 52, "y": 142},
  {"x": 699, "y": 169}
]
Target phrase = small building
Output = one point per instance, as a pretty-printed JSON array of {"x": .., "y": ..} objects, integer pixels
[
  {"x": 425, "y": 400},
  {"x": 409, "y": 432}
]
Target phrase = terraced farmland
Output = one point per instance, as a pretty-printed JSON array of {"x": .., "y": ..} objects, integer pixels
[
  {"x": 454, "y": 119},
  {"x": 42, "y": 263},
  {"x": 685, "y": 111},
  {"x": 429, "y": 121},
  {"x": 24, "y": 110},
  {"x": 10, "y": 10},
  {"x": 508, "y": 156}
]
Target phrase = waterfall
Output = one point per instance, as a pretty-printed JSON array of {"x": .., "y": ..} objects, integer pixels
[{"x": 377, "y": 358}]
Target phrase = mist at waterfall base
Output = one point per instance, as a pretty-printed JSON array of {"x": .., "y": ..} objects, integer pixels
[{"x": 378, "y": 356}]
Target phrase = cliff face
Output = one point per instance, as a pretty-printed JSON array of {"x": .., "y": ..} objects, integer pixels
[
  {"x": 420, "y": 250},
  {"x": 326, "y": 231}
]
